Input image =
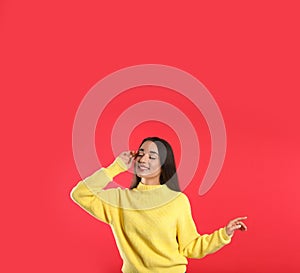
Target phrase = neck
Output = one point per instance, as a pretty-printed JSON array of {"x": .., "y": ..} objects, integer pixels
[{"x": 150, "y": 181}]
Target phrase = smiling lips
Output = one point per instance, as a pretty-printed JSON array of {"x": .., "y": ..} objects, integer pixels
[{"x": 143, "y": 167}]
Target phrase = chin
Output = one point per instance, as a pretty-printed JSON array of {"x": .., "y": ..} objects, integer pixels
[{"x": 142, "y": 175}]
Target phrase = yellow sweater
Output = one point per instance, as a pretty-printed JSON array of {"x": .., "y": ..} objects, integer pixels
[{"x": 152, "y": 225}]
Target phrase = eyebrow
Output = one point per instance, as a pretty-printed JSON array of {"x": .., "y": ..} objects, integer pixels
[{"x": 151, "y": 152}]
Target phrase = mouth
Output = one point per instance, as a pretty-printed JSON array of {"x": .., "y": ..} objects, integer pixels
[{"x": 143, "y": 167}]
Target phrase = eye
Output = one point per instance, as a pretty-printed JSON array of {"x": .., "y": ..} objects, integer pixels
[
  {"x": 140, "y": 153},
  {"x": 153, "y": 157}
]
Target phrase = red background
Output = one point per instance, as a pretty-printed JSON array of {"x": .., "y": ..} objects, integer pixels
[{"x": 246, "y": 54}]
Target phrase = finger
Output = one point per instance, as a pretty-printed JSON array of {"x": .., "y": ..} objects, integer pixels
[
  {"x": 239, "y": 219},
  {"x": 133, "y": 154},
  {"x": 243, "y": 226},
  {"x": 236, "y": 227},
  {"x": 240, "y": 225}
]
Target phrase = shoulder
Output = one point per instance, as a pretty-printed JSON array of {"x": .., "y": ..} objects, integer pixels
[{"x": 183, "y": 200}]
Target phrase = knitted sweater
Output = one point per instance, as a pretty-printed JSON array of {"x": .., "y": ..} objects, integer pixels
[{"x": 152, "y": 225}]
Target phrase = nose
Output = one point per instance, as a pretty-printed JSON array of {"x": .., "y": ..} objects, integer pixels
[{"x": 144, "y": 158}]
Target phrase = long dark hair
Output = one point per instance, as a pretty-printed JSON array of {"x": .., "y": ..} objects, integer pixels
[{"x": 168, "y": 173}]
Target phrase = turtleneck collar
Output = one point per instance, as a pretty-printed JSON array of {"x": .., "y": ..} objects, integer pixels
[{"x": 144, "y": 187}]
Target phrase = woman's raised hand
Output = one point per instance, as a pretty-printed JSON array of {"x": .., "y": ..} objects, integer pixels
[
  {"x": 128, "y": 157},
  {"x": 236, "y": 224}
]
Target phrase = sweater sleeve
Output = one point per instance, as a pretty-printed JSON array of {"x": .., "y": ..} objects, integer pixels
[
  {"x": 191, "y": 243},
  {"x": 86, "y": 192}
]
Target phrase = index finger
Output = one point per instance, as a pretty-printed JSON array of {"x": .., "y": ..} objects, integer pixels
[
  {"x": 240, "y": 218},
  {"x": 133, "y": 154}
]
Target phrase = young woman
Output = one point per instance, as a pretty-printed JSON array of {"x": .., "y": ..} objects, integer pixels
[{"x": 151, "y": 221}]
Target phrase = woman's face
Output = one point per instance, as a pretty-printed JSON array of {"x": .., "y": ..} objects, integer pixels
[{"x": 148, "y": 161}]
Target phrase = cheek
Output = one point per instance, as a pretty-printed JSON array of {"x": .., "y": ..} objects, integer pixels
[{"x": 156, "y": 167}]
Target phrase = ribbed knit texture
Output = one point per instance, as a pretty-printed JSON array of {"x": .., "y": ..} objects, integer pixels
[{"x": 152, "y": 224}]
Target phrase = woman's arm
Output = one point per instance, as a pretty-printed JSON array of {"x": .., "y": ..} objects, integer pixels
[
  {"x": 205, "y": 244},
  {"x": 194, "y": 245},
  {"x": 85, "y": 193}
]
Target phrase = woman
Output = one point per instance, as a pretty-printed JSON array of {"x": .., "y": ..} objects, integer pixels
[{"x": 151, "y": 221}]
